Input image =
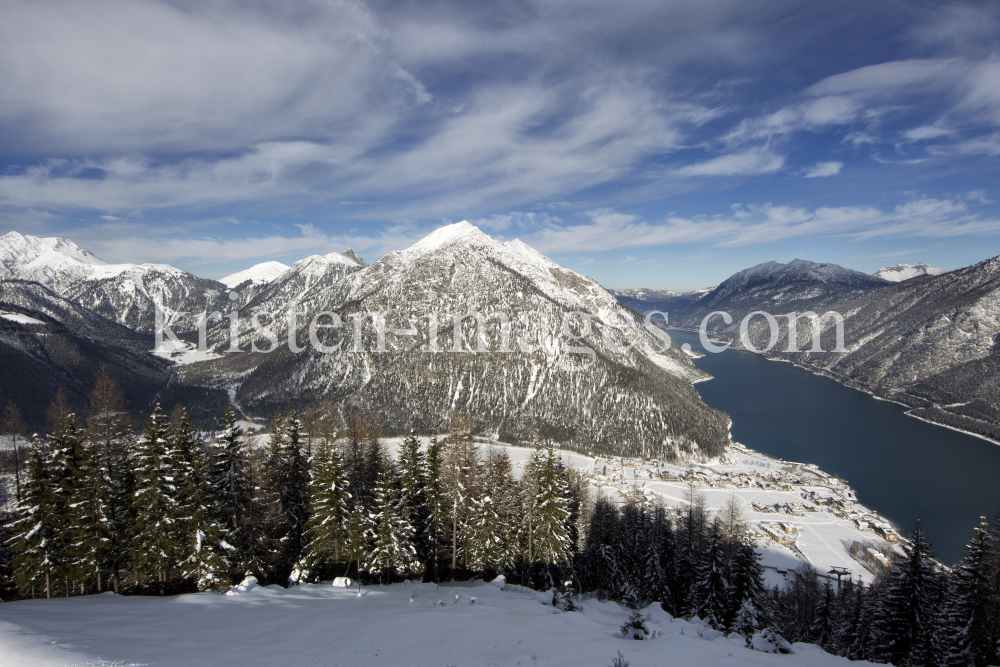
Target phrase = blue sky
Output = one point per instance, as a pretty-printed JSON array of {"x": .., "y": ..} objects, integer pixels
[{"x": 658, "y": 144}]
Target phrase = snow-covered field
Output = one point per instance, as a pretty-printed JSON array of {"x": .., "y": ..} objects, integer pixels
[{"x": 322, "y": 625}]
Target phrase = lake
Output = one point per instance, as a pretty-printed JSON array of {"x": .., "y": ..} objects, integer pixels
[{"x": 903, "y": 468}]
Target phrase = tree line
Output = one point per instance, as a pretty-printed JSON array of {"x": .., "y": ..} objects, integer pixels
[{"x": 100, "y": 507}]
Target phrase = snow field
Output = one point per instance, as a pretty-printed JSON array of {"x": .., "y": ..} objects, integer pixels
[{"x": 321, "y": 625}]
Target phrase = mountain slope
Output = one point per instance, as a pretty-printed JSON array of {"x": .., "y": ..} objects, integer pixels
[{"x": 617, "y": 397}]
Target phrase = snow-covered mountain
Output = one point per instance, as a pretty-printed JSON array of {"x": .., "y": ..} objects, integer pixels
[
  {"x": 620, "y": 398},
  {"x": 53, "y": 262},
  {"x": 777, "y": 288},
  {"x": 901, "y": 272},
  {"x": 125, "y": 293},
  {"x": 258, "y": 274}
]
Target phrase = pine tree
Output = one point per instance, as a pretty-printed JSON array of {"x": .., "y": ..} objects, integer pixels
[
  {"x": 37, "y": 544},
  {"x": 437, "y": 512},
  {"x": 66, "y": 460},
  {"x": 746, "y": 586},
  {"x": 599, "y": 548},
  {"x": 94, "y": 538},
  {"x": 328, "y": 510},
  {"x": 155, "y": 545},
  {"x": 457, "y": 479},
  {"x": 293, "y": 474},
  {"x": 202, "y": 560},
  {"x": 231, "y": 478},
  {"x": 822, "y": 631},
  {"x": 413, "y": 492},
  {"x": 970, "y": 639},
  {"x": 711, "y": 587},
  {"x": 550, "y": 538},
  {"x": 358, "y": 536},
  {"x": 109, "y": 437},
  {"x": 911, "y": 592},
  {"x": 485, "y": 550},
  {"x": 392, "y": 553},
  {"x": 691, "y": 536}
]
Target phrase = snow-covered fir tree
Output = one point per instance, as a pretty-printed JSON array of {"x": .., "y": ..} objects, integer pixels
[
  {"x": 711, "y": 587},
  {"x": 39, "y": 529},
  {"x": 906, "y": 626},
  {"x": 202, "y": 561},
  {"x": 230, "y": 476},
  {"x": 392, "y": 552},
  {"x": 156, "y": 546},
  {"x": 968, "y": 628},
  {"x": 111, "y": 444},
  {"x": 548, "y": 530},
  {"x": 329, "y": 510}
]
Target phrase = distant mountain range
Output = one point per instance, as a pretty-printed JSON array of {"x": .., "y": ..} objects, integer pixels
[
  {"x": 917, "y": 335},
  {"x": 530, "y": 382}
]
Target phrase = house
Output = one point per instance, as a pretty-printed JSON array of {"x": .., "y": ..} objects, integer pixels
[{"x": 887, "y": 533}]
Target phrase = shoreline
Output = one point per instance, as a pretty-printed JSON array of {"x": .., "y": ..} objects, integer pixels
[{"x": 852, "y": 385}]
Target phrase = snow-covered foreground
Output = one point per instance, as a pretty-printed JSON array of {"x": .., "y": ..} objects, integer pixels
[{"x": 321, "y": 625}]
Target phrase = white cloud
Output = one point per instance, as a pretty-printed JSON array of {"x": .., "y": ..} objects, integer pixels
[
  {"x": 748, "y": 163},
  {"x": 823, "y": 169},
  {"x": 926, "y": 132},
  {"x": 765, "y": 223}
]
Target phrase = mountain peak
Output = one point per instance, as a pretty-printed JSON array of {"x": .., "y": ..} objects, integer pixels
[
  {"x": 356, "y": 257},
  {"x": 259, "y": 274},
  {"x": 447, "y": 235}
]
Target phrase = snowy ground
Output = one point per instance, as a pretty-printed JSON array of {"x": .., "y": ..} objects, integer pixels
[
  {"x": 321, "y": 625},
  {"x": 183, "y": 353}
]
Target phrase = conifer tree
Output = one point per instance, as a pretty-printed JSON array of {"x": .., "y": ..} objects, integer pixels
[
  {"x": 65, "y": 465},
  {"x": 457, "y": 480},
  {"x": 155, "y": 542},
  {"x": 822, "y": 631},
  {"x": 550, "y": 538},
  {"x": 293, "y": 481},
  {"x": 392, "y": 552},
  {"x": 437, "y": 512},
  {"x": 200, "y": 551},
  {"x": 233, "y": 489},
  {"x": 358, "y": 537},
  {"x": 413, "y": 492},
  {"x": 911, "y": 595},
  {"x": 94, "y": 538},
  {"x": 485, "y": 550},
  {"x": 110, "y": 442},
  {"x": 970, "y": 639},
  {"x": 38, "y": 530},
  {"x": 711, "y": 587},
  {"x": 746, "y": 585},
  {"x": 329, "y": 510}
]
